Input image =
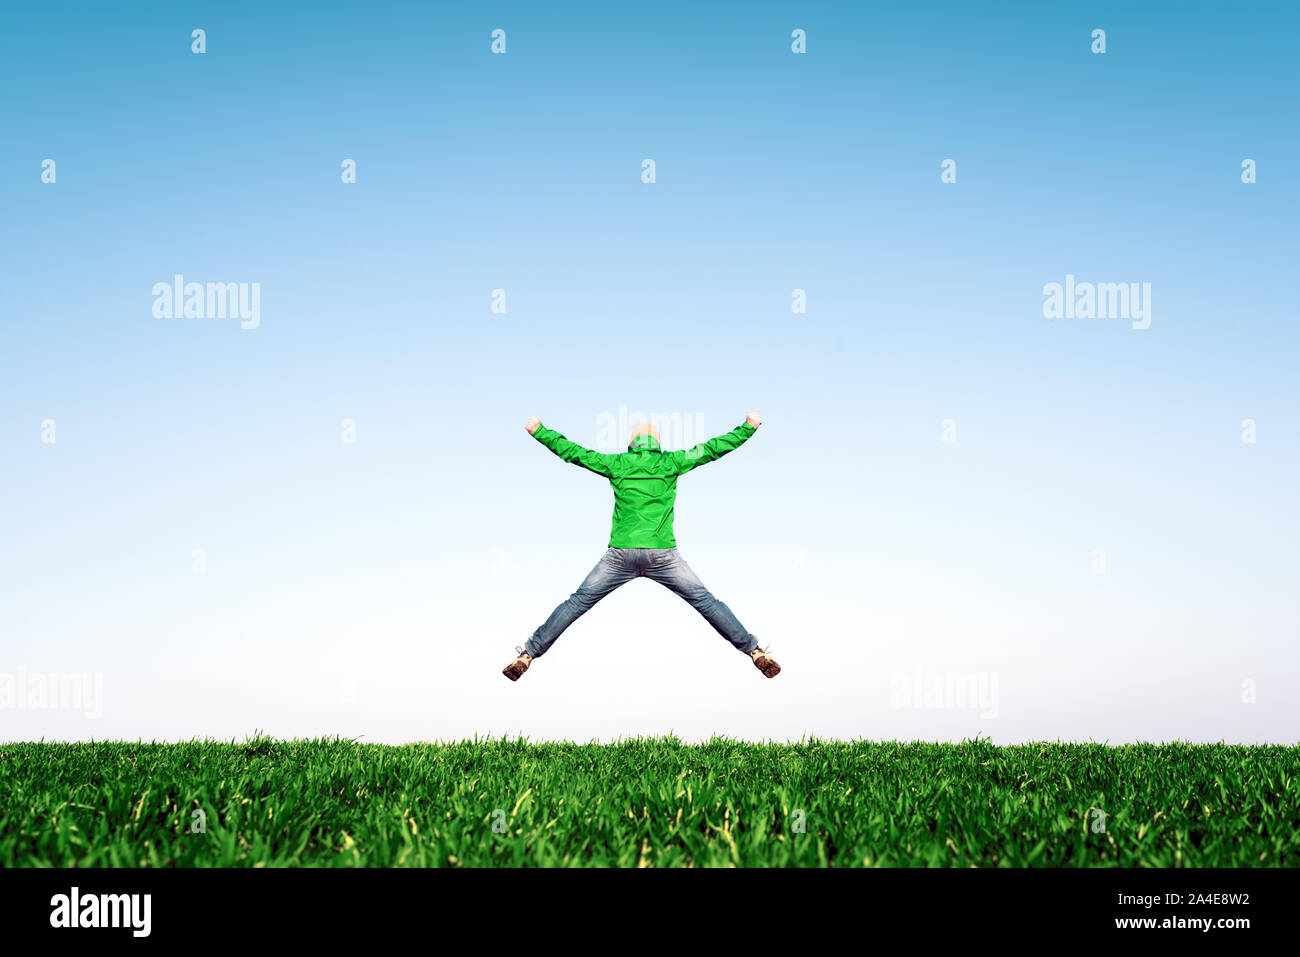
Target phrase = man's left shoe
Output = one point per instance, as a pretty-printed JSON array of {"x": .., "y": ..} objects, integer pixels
[
  {"x": 765, "y": 663},
  {"x": 518, "y": 666}
]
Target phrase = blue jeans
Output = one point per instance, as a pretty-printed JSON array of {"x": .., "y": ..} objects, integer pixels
[{"x": 621, "y": 565}]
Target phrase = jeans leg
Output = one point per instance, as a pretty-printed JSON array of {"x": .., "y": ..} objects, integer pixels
[
  {"x": 610, "y": 572},
  {"x": 670, "y": 569}
]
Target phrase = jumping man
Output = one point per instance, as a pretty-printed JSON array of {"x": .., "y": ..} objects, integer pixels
[{"x": 641, "y": 543}]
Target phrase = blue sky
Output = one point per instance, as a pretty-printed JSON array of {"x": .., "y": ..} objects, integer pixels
[{"x": 376, "y": 588}]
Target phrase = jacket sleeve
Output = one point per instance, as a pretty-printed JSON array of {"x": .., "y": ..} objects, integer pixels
[
  {"x": 597, "y": 462},
  {"x": 713, "y": 449}
]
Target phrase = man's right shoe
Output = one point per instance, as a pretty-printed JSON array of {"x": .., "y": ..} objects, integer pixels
[
  {"x": 519, "y": 665},
  {"x": 765, "y": 663}
]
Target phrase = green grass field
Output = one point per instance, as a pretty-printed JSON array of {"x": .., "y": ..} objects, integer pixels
[{"x": 647, "y": 802}]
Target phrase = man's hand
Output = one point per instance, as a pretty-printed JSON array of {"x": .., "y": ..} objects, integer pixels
[
  {"x": 754, "y": 419},
  {"x": 532, "y": 425}
]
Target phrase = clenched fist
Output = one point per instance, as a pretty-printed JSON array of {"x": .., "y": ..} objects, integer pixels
[
  {"x": 754, "y": 419},
  {"x": 532, "y": 425}
]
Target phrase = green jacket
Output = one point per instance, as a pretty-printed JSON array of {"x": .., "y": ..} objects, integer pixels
[{"x": 644, "y": 479}]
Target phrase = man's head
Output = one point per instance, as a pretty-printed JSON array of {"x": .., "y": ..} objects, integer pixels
[{"x": 644, "y": 436}]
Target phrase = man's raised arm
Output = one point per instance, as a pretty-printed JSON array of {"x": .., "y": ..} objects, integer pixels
[
  {"x": 569, "y": 451},
  {"x": 717, "y": 448}
]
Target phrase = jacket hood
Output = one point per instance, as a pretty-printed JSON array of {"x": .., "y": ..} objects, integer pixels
[{"x": 644, "y": 442}]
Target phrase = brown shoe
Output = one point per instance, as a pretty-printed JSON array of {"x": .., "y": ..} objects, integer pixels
[
  {"x": 765, "y": 663},
  {"x": 518, "y": 666}
]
